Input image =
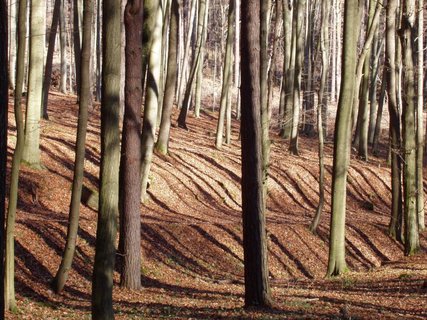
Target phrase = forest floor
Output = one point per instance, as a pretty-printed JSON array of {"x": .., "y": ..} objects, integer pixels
[{"x": 192, "y": 233}]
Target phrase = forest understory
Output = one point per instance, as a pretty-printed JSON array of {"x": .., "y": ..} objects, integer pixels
[{"x": 192, "y": 232}]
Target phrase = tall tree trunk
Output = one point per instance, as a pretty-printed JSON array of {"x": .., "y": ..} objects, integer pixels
[
  {"x": 77, "y": 40},
  {"x": 4, "y": 97},
  {"x": 373, "y": 110},
  {"x": 162, "y": 143},
  {"x": 130, "y": 186},
  {"x": 102, "y": 280},
  {"x": 336, "y": 263},
  {"x": 412, "y": 244},
  {"x": 13, "y": 7},
  {"x": 308, "y": 101},
  {"x": 198, "y": 92},
  {"x": 85, "y": 91},
  {"x": 299, "y": 52},
  {"x": 257, "y": 289},
  {"x": 265, "y": 121},
  {"x": 288, "y": 71},
  {"x": 151, "y": 95},
  {"x": 49, "y": 59},
  {"x": 35, "y": 83},
  {"x": 363, "y": 116},
  {"x": 395, "y": 226},
  {"x": 377, "y": 132},
  {"x": 63, "y": 45},
  {"x": 182, "y": 71},
  {"x": 420, "y": 126},
  {"x": 197, "y": 54},
  {"x": 9, "y": 275},
  {"x": 322, "y": 107},
  {"x": 227, "y": 75}
]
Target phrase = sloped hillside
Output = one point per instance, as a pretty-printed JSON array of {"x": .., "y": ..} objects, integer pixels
[{"x": 191, "y": 234}]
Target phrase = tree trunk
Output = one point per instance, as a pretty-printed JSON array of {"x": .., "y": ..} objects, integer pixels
[
  {"x": 130, "y": 186},
  {"x": 199, "y": 80},
  {"x": 288, "y": 71},
  {"x": 9, "y": 276},
  {"x": 4, "y": 97},
  {"x": 77, "y": 41},
  {"x": 102, "y": 280},
  {"x": 342, "y": 140},
  {"x": 189, "y": 88},
  {"x": 151, "y": 94},
  {"x": 35, "y": 83},
  {"x": 257, "y": 289},
  {"x": 299, "y": 51},
  {"x": 420, "y": 127},
  {"x": 182, "y": 71},
  {"x": 377, "y": 132},
  {"x": 227, "y": 75},
  {"x": 265, "y": 121},
  {"x": 321, "y": 108},
  {"x": 412, "y": 244},
  {"x": 13, "y": 7},
  {"x": 84, "y": 101},
  {"x": 63, "y": 45},
  {"x": 395, "y": 227},
  {"x": 162, "y": 143},
  {"x": 49, "y": 58}
]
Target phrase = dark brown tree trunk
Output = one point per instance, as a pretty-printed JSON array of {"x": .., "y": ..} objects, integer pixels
[
  {"x": 257, "y": 289},
  {"x": 85, "y": 90},
  {"x": 4, "y": 96},
  {"x": 49, "y": 58},
  {"x": 171, "y": 77},
  {"x": 130, "y": 184}
]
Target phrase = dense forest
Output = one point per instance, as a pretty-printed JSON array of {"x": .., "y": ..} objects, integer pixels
[{"x": 224, "y": 159}]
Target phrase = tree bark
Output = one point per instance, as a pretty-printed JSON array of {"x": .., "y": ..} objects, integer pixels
[
  {"x": 9, "y": 276},
  {"x": 296, "y": 94},
  {"x": 420, "y": 126},
  {"x": 257, "y": 289},
  {"x": 76, "y": 193},
  {"x": 49, "y": 59},
  {"x": 102, "y": 280},
  {"x": 395, "y": 227},
  {"x": 162, "y": 143},
  {"x": 35, "y": 83},
  {"x": 4, "y": 97},
  {"x": 342, "y": 140},
  {"x": 227, "y": 75},
  {"x": 130, "y": 186},
  {"x": 407, "y": 34},
  {"x": 151, "y": 95}
]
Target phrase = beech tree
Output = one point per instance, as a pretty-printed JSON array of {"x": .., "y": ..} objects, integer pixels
[
  {"x": 225, "y": 105},
  {"x": 337, "y": 263},
  {"x": 396, "y": 222},
  {"x": 407, "y": 34},
  {"x": 105, "y": 251},
  {"x": 35, "y": 83},
  {"x": 4, "y": 100},
  {"x": 9, "y": 275},
  {"x": 162, "y": 143},
  {"x": 85, "y": 97},
  {"x": 130, "y": 185},
  {"x": 152, "y": 91},
  {"x": 257, "y": 288}
]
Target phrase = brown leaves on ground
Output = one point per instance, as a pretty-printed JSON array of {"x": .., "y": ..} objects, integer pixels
[{"x": 192, "y": 234}]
